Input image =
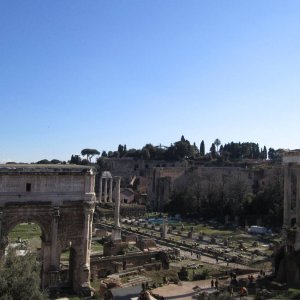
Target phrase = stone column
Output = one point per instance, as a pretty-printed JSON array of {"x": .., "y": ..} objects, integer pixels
[
  {"x": 54, "y": 229},
  {"x": 164, "y": 228},
  {"x": 298, "y": 200},
  {"x": 46, "y": 267},
  {"x": 92, "y": 181},
  {"x": 84, "y": 281},
  {"x": 116, "y": 234},
  {"x": 3, "y": 239},
  {"x": 287, "y": 197},
  {"x": 297, "y": 237},
  {"x": 110, "y": 190},
  {"x": 87, "y": 183},
  {"x": 100, "y": 189},
  {"x": 87, "y": 232},
  {"x": 117, "y": 201},
  {"x": 105, "y": 190},
  {"x": 1, "y": 216}
]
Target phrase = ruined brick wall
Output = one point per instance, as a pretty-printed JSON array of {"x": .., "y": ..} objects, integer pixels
[
  {"x": 163, "y": 181},
  {"x": 103, "y": 266},
  {"x": 146, "y": 244}
]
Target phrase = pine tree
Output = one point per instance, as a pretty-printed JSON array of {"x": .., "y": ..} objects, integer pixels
[{"x": 202, "y": 148}]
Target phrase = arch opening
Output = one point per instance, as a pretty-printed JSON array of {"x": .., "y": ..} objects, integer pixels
[{"x": 25, "y": 238}]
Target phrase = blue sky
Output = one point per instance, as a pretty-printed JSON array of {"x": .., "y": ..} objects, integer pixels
[{"x": 95, "y": 74}]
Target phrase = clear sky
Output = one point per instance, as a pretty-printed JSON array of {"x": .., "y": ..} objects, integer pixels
[{"x": 99, "y": 73}]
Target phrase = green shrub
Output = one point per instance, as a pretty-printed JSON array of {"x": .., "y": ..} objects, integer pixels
[
  {"x": 20, "y": 277},
  {"x": 294, "y": 293}
]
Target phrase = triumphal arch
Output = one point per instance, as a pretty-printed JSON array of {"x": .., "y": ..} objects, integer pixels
[{"x": 61, "y": 200}]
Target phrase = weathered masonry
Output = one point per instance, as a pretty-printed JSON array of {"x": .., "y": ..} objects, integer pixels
[
  {"x": 291, "y": 206},
  {"x": 61, "y": 200},
  {"x": 287, "y": 256}
]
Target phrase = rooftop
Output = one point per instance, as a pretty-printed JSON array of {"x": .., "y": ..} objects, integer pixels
[{"x": 106, "y": 174}]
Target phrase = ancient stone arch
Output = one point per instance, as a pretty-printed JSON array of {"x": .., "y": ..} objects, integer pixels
[{"x": 61, "y": 200}]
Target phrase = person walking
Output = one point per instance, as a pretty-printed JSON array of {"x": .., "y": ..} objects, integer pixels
[{"x": 216, "y": 284}]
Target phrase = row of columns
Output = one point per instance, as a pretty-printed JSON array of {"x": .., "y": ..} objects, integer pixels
[{"x": 104, "y": 198}]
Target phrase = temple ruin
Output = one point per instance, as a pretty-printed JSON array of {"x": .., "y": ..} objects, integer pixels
[{"x": 105, "y": 195}]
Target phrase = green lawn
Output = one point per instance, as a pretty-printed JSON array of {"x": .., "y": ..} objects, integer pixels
[
  {"x": 29, "y": 232},
  {"x": 25, "y": 231}
]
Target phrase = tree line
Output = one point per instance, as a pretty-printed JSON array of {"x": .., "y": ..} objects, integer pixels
[
  {"x": 179, "y": 150},
  {"x": 184, "y": 149}
]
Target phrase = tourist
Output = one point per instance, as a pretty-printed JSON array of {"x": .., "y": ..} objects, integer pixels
[
  {"x": 216, "y": 284},
  {"x": 212, "y": 283},
  {"x": 243, "y": 292}
]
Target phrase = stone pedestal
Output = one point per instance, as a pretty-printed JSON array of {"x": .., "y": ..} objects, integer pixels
[{"x": 116, "y": 234}]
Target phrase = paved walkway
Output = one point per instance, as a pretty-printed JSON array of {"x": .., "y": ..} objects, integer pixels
[{"x": 185, "y": 290}]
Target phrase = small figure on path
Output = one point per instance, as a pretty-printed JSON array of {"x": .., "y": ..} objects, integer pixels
[
  {"x": 216, "y": 284},
  {"x": 212, "y": 283}
]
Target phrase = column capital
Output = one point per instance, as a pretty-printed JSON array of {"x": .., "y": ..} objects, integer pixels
[
  {"x": 89, "y": 207},
  {"x": 117, "y": 178}
]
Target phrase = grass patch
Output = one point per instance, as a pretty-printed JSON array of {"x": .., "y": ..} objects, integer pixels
[
  {"x": 25, "y": 231},
  {"x": 65, "y": 255},
  {"x": 95, "y": 283},
  {"x": 212, "y": 231},
  {"x": 158, "y": 276},
  {"x": 97, "y": 247}
]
